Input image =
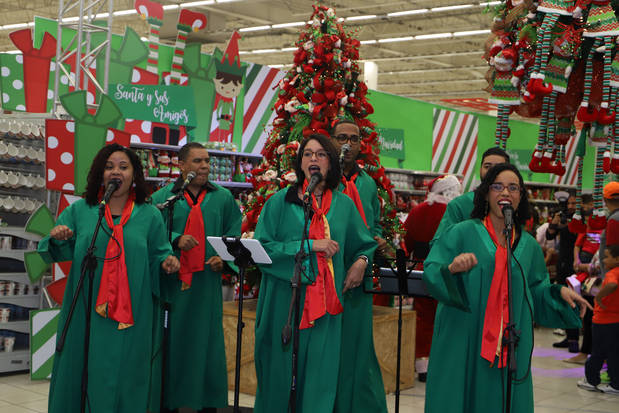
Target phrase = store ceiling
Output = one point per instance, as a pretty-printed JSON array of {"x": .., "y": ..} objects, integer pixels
[{"x": 424, "y": 69}]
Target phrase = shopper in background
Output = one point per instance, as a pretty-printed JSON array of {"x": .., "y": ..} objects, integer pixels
[
  {"x": 611, "y": 200},
  {"x": 339, "y": 247},
  {"x": 360, "y": 385},
  {"x": 466, "y": 271},
  {"x": 565, "y": 261},
  {"x": 420, "y": 227},
  {"x": 196, "y": 374},
  {"x": 606, "y": 321},
  {"x": 131, "y": 248},
  {"x": 460, "y": 208}
]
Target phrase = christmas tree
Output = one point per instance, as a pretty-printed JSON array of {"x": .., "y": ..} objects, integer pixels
[{"x": 321, "y": 87}]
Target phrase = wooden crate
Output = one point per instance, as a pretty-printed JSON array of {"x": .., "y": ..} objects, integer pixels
[{"x": 385, "y": 342}]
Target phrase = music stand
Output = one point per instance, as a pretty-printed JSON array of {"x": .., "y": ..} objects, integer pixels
[
  {"x": 404, "y": 283},
  {"x": 244, "y": 252}
]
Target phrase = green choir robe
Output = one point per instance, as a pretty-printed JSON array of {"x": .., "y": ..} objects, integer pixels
[
  {"x": 279, "y": 229},
  {"x": 457, "y": 210},
  {"x": 459, "y": 380},
  {"x": 196, "y": 374},
  {"x": 119, "y": 362},
  {"x": 360, "y": 386}
]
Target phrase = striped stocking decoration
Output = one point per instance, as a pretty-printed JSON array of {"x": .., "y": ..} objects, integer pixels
[
  {"x": 502, "y": 122},
  {"x": 153, "y": 13},
  {"x": 542, "y": 53},
  {"x": 187, "y": 21},
  {"x": 584, "y": 115},
  {"x": 598, "y": 218},
  {"x": 614, "y": 163},
  {"x": 606, "y": 116},
  {"x": 577, "y": 224}
]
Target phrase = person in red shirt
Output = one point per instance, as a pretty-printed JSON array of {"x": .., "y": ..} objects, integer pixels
[
  {"x": 606, "y": 322},
  {"x": 420, "y": 226}
]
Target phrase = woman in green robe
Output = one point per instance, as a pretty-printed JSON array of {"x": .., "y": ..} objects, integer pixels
[
  {"x": 467, "y": 361},
  {"x": 344, "y": 247},
  {"x": 121, "y": 345}
]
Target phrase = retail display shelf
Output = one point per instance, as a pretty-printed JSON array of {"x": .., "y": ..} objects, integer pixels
[
  {"x": 216, "y": 152},
  {"x": 19, "y": 326},
  {"x": 549, "y": 185},
  {"x": 227, "y": 184},
  {"x": 19, "y": 232}
]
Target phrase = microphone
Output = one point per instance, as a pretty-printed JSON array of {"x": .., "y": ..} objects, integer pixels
[
  {"x": 345, "y": 149},
  {"x": 508, "y": 214},
  {"x": 313, "y": 182},
  {"x": 190, "y": 177},
  {"x": 112, "y": 186}
]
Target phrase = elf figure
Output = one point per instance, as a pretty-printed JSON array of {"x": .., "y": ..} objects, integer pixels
[
  {"x": 552, "y": 9},
  {"x": 556, "y": 73},
  {"x": 228, "y": 82},
  {"x": 187, "y": 21},
  {"x": 602, "y": 25},
  {"x": 504, "y": 92},
  {"x": 152, "y": 12}
]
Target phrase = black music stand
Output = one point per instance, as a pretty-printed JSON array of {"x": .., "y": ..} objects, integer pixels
[
  {"x": 244, "y": 252},
  {"x": 401, "y": 282}
]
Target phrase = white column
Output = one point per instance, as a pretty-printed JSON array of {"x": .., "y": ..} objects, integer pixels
[{"x": 370, "y": 74}]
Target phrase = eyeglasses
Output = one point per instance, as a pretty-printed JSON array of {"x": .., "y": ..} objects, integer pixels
[
  {"x": 499, "y": 187},
  {"x": 319, "y": 154},
  {"x": 348, "y": 138}
]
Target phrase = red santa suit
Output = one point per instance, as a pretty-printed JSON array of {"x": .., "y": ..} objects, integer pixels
[{"x": 420, "y": 226}]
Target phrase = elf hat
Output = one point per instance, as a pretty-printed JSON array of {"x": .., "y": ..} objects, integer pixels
[
  {"x": 231, "y": 62},
  {"x": 150, "y": 10}
]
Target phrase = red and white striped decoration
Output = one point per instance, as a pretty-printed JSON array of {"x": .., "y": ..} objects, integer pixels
[
  {"x": 571, "y": 165},
  {"x": 454, "y": 144},
  {"x": 153, "y": 13},
  {"x": 187, "y": 21}
]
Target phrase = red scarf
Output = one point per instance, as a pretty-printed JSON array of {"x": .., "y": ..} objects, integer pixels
[
  {"x": 114, "y": 298},
  {"x": 497, "y": 307},
  {"x": 350, "y": 189},
  {"x": 193, "y": 260},
  {"x": 321, "y": 296}
]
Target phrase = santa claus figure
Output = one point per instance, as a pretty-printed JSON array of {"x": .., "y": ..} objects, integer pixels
[{"x": 420, "y": 226}]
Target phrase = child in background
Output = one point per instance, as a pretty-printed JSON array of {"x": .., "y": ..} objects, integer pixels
[{"x": 606, "y": 322}]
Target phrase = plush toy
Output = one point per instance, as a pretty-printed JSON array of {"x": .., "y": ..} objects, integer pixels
[
  {"x": 164, "y": 164},
  {"x": 505, "y": 92},
  {"x": 175, "y": 170}
]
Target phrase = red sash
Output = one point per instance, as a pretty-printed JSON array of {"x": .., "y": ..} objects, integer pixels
[
  {"x": 497, "y": 310},
  {"x": 321, "y": 296},
  {"x": 193, "y": 260},
  {"x": 114, "y": 298},
  {"x": 350, "y": 189}
]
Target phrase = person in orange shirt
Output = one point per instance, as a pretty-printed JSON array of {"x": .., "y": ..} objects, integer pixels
[{"x": 606, "y": 322}]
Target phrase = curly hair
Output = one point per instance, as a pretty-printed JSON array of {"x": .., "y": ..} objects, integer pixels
[
  {"x": 521, "y": 214},
  {"x": 95, "y": 175},
  {"x": 334, "y": 174}
]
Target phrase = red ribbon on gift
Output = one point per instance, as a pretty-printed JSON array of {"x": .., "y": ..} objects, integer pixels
[{"x": 36, "y": 68}]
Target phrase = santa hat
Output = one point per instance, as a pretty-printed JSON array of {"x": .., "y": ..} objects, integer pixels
[
  {"x": 612, "y": 232},
  {"x": 231, "y": 62},
  {"x": 443, "y": 189},
  {"x": 150, "y": 10}
]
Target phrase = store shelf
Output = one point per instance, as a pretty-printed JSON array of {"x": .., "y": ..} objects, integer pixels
[
  {"x": 19, "y": 326},
  {"x": 19, "y": 232},
  {"x": 225, "y": 184},
  {"x": 410, "y": 191},
  {"x": 215, "y": 152},
  {"x": 15, "y": 360},
  {"x": 28, "y": 300},
  {"x": 14, "y": 254},
  {"x": 549, "y": 185},
  {"x": 419, "y": 173}
]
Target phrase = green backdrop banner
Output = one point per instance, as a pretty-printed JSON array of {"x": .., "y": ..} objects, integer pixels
[{"x": 391, "y": 142}]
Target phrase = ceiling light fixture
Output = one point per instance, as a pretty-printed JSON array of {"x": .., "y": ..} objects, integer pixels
[
  {"x": 198, "y": 3},
  {"x": 433, "y": 36},
  {"x": 471, "y": 33},
  {"x": 292, "y": 24},
  {"x": 407, "y": 12},
  {"x": 450, "y": 8},
  {"x": 373, "y": 41},
  {"x": 255, "y": 28},
  {"x": 363, "y": 17},
  {"x": 396, "y": 39}
]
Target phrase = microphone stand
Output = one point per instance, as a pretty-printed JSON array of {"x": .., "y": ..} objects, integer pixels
[
  {"x": 89, "y": 265},
  {"x": 166, "y": 306},
  {"x": 295, "y": 299},
  {"x": 510, "y": 335}
]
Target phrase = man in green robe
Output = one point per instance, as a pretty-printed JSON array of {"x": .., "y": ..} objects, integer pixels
[
  {"x": 196, "y": 374},
  {"x": 360, "y": 384},
  {"x": 459, "y": 379},
  {"x": 460, "y": 208},
  {"x": 119, "y": 365},
  {"x": 279, "y": 230}
]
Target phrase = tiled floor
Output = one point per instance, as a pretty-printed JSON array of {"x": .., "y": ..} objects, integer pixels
[{"x": 554, "y": 382}]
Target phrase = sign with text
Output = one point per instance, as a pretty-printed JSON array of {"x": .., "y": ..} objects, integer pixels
[
  {"x": 520, "y": 159},
  {"x": 391, "y": 142},
  {"x": 165, "y": 104}
]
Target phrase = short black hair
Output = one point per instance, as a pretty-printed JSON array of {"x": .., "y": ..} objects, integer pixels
[
  {"x": 522, "y": 213},
  {"x": 95, "y": 175},
  {"x": 613, "y": 250},
  {"x": 342, "y": 121},
  {"x": 495, "y": 150},
  {"x": 332, "y": 180},
  {"x": 586, "y": 198},
  {"x": 183, "y": 153}
]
